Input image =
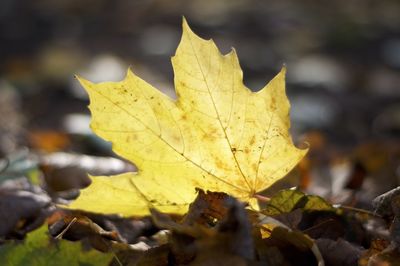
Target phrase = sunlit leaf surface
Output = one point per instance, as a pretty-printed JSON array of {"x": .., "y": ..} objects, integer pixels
[{"x": 218, "y": 135}]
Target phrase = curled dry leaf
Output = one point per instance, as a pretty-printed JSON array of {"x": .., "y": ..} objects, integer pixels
[
  {"x": 207, "y": 208},
  {"x": 229, "y": 242},
  {"x": 22, "y": 211},
  {"x": 278, "y": 239},
  {"x": 339, "y": 252},
  {"x": 377, "y": 246},
  {"x": 77, "y": 227},
  {"x": 67, "y": 171}
]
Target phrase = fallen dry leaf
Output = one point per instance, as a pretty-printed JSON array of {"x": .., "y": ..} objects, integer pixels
[
  {"x": 229, "y": 242},
  {"x": 339, "y": 252},
  {"x": 22, "y": 211},
  {"x": 217, "y": 136},
  {"x": 207, "y": 208}
]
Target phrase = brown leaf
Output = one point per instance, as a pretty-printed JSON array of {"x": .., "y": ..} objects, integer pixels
[
  {"x": 283, "y": 242},
  {"x": 206, "y": 208},
  {"x": 389, "y": 257},
  {"x": 65, "y": 171},
  {"x": 377, "y": 246},
  {"x": 383, "y": 203},
  {"x": 76, "y": 227},
  {"x": 340, "y": 252},
  {"x": 228, "y": 243},
  {"x": 323, "y": 224},
  {"x": 21, "y": 212}
]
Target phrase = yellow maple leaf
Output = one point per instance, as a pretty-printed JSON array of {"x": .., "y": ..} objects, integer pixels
[{"x": 218, "y": 135}]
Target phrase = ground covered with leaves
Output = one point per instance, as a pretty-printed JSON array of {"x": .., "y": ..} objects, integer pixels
[
  {"x": 213, "y": 164},
  {"x": 217, "y": 230}
]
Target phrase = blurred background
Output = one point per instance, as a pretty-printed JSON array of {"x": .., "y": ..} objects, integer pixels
[{"x": 343, "y": 61}]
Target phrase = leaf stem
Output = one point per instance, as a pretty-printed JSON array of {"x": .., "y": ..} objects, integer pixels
[{"x": 262, "y": 198}]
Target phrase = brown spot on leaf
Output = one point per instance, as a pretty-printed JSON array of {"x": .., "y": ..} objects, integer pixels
[
  {"x": 254, "y": 167},
  {"x": 273, "y": 104},
  {"x": 221, "y": 164},
  {"x": 176, "y": 138}
]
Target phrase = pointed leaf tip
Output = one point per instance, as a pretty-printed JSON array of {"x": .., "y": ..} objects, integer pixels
[
  {"x": 84, "y": 82},
  {"x": 283, "y": 69},
  {"x": 185, "y": 26},
  {"x": 184, "y": 19},
  {"x": 129, "y": 72}
]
